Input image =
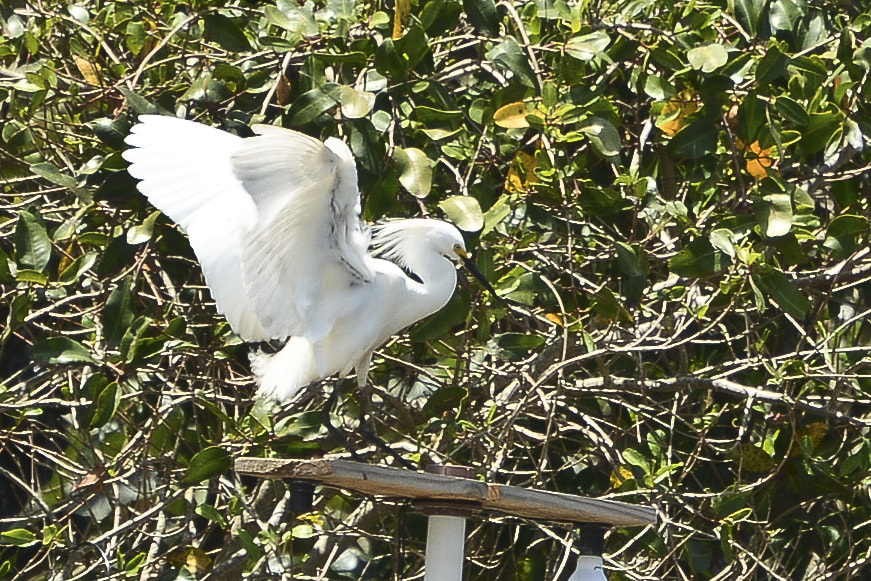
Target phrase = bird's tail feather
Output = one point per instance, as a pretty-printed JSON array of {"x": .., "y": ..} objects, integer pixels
[{"x": 281, "y": 375}]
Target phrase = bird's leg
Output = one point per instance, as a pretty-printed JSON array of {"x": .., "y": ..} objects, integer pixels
[
  {"x": 333, "y": 430},
  {"x": 366, "y": 427}
]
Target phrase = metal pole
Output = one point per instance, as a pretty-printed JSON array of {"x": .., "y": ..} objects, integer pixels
[
  {"x": 590, "y": 566},
  {"x": 445, "y": 541},
  {"x": 446, "y": 530}
]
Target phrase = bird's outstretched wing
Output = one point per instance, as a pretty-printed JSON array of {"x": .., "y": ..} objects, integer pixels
[{"x": 273, "y": 219}]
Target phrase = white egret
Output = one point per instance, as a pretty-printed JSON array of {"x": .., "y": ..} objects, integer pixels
[{"x": 274, "y": 220}]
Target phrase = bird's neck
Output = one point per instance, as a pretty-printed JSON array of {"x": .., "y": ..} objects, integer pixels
[{"x": 438, "y": 278}]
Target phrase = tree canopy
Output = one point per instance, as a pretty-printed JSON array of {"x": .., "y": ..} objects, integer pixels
[{"x": 670, "y": 198}]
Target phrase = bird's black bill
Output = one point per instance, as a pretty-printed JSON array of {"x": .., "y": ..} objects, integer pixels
[{"x": 478, "y": 274}]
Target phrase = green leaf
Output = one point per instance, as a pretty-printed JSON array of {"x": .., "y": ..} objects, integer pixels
[
  {"x": 105, "y": 406},
  {"x": 77, "y": 268},
  {"x": 32, "y": 244},
  {"x": 443, "y": 400},
  {"x": 627, "y": 260},
  {"x": 483, "y": 16},
  {"x": 142, "y": 232},
  {"x": 774, "y": 215},
  {"x": 209, "y": 512},
  {"x": 603, "y": 135},
  {"x": 846, "y": 234},
  {"x": 708, "y": 58},
  {"x": 19, "y": 537},
  {"x": 749, "y": 13},
  {"x": 608, "y": 306},
  {"x": 821, "y": 127},
  {"x": 356, "y": 104},
  {"x": 723, "y": 240},
  {"x": 226, "y": 33},
  {"x": 772, "y": 66},
  {"x": 514, "y": 60},
  {"x": 698, "y": 258},
  {"x": 496, "y": 214},
  {"x": 659, "y": 88},
  {"x": 464, "y": 211},
  {"x": 388, "y": 61},
  {"x": 139, "y": 104},
  {"x": 61, "y": 350},
  {"x": 207, "y": 463},
  {"x": 588, "y": 46},
  {"x": 696, "y": 140},
  {"x": 135, "y": 37},
  {"x": 519, "y": 342},
  {"x": 415, "y": 171},
  {"x": 792, "y": 111},
  {"x": 51, "y": 173},
  {"x": 780, "y": 290},
  {"x": 311, "y": 105},
  {"x": 118, "y": 314}
]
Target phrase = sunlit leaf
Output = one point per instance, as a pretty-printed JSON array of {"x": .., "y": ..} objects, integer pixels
[
  {"x": 708, "y": 58},
  {"x": 511, "y": 116},
  {"x": 521, "y": 175},
  {"x": 774, "y": 213},
  {"x": 415, "y": 171},
  {"x": 588, "y": 46},
  {"x": 356, "y": 104},
  {"x": 19, "y": 537},
  {"x": 464, "y": 211},
  {"x": 603, "y": 135}
]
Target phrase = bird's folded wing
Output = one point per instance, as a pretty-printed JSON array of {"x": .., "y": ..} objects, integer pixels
[
  {"x": 186, "y": 172},
  {"x": 308, "y": 248}
]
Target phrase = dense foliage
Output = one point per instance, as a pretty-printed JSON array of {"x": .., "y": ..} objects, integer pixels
[{"x": 671, "y": 197}]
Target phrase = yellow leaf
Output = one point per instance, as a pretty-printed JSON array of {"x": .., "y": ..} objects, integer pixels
[
  {"x": 753, "y": 458},
  {"x": 815, "y": 431},
  {"x": 91, "y": 72},
  {"x": 758, "y": 160},
  {"x": 554, "y": 318},
  {"x": 191, "y": 558},
  {"x": 683, "y": 105},
  {"x": 619, "y": 475},
  {"x": 400, "y": 17},
  {"x": 511, "y": 116},
  {"x": 521, "y": 174}
]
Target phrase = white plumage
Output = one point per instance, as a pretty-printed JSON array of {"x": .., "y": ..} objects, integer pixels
[{"x": 275, "y": 223}]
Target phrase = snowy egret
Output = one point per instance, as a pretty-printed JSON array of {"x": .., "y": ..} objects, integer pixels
[{"x": 274, "y": 220}]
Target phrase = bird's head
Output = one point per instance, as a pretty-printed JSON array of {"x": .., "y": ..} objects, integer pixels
[
  {"x": 412, "y": 241},
  {"x": 448, "y": 241}
]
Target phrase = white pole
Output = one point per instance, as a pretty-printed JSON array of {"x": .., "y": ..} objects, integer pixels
[
  {"x": 590, "y": 568},
  {"x": 445, "y": 541}
]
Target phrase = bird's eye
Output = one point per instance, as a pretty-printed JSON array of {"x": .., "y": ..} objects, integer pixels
[{"x": 459, "y": 250}]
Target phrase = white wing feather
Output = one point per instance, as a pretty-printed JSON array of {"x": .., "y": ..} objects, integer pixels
[
  {"x": 308, "y": 243},
  {"x": 273, "y": 219},
  {"x": 186, "y": 173}
]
